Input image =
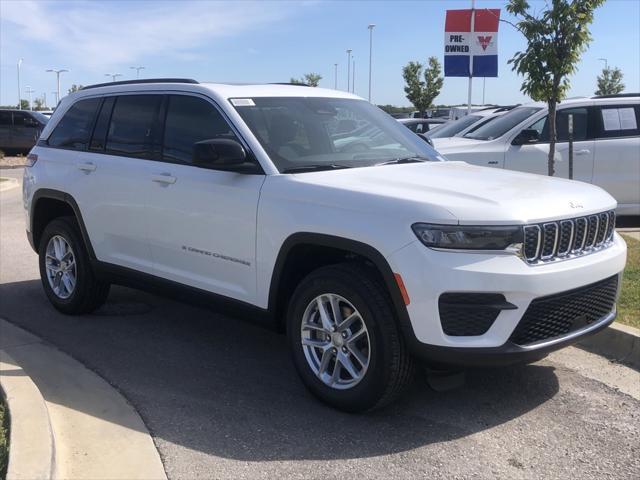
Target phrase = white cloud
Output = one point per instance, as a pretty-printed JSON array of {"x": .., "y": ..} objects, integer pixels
[{"x": 103, "y": 35}]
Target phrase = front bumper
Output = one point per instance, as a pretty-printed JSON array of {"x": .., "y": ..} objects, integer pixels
[{"x": 427, "y": 274}]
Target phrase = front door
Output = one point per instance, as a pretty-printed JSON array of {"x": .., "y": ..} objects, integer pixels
[
  {"x": 533, "y": 157},
  {"x": 202, "y": 222}
]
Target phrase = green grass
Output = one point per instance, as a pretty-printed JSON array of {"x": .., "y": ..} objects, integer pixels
[
  {"x": 4, "y": 439},
  {"x": 629, "y": 302}
]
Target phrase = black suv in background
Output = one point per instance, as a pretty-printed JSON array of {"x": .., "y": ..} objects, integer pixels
[{"x": 20, "y": 129}]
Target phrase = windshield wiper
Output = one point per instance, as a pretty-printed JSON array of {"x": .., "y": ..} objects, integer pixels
[
  {"x": 314, "y": 168},
  {"x": 413, "y": 159}
]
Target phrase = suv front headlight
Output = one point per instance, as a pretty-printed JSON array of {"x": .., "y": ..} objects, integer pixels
[{"x": 461, "y": 237}]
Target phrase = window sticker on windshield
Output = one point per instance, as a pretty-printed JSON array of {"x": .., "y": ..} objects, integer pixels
[{"x": 242, "y": 102}]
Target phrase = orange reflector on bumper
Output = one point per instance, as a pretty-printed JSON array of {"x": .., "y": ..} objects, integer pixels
[{"x": 403, "y": 290}]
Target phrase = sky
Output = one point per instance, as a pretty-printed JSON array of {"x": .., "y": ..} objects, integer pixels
[{"x": 272, "y": 41}]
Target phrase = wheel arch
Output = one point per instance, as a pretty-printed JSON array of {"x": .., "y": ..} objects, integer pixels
[
  {"x": 48, "y": 204},
  {"x": 302, "y": 243}
]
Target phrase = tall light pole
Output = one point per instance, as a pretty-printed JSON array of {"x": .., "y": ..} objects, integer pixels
[
  {"x": 44, "y": 98},
  {"x": 137, "y": 69},
  {"x": 349, "y": 68},
  {"x": 19, "y": 90},
  {"x": 353, "y": 76},
  {"x": 335, "y": 82},
  {"x": 113, "y": 76},
  {"x": 29, "y": 90},
  {"x": 370, "y": 27},
  {"x": 606, "y": 63},
  {"x": 57, "y": 72}
]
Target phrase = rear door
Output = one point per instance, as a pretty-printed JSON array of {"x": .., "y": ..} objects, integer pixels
[
  {"x": 25, "y": 131},
  {"x": 108, "y": 172},
  {"x": 617, "y": 154},
  {"x": 202, "y": 222},
  {"x": 533, "y": 157},
  {"x": 5, "y": 129}
]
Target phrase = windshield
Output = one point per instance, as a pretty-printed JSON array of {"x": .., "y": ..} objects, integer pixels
[
  {"x": 479, "y": 124},
  {"x": 449, "y": 129},
  {"x": 503, "y": 124},
  {"x": 311, "y": 133}
]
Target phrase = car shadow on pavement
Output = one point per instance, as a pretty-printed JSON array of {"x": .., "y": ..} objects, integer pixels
[{"x": 227, "y": 387}]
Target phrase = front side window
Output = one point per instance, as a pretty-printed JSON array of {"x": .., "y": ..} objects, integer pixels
[
  {"x": 580, "y": 125},
  {"x": 315, "y": 133},
  {"x": 190, "y": 120},
  {"x": 74, "y": 128},
  {"x": 503, "y": 124},
  {"x": 132, "y": 130}
]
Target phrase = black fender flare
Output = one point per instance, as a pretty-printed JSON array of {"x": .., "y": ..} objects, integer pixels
[
  {"x": 362, "y": 249},
  {"x": 48, "y": 193}
]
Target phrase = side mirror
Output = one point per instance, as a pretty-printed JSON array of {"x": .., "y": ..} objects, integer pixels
[
  {"x": 30, "y": 122},
  {"x": 218, "y": 153},
  {"x": 425, "y": 138},
  {"x": 528, "y": 135}
]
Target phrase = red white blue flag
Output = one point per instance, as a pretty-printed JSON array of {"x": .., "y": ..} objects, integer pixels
[{"x": 471, "y": 51}]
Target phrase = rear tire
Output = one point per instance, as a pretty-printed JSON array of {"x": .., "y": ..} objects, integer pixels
[
  {"x": 378, "y": 356},
  {"x": 65, "y": 270}
]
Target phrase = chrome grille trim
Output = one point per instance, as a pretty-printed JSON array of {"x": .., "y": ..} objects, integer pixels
[{"x": 587, "y": 235}]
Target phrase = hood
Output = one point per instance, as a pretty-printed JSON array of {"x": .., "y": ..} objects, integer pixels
[
  {"x": 471, "y": 194},
  {"x": 456, "y": 144}
]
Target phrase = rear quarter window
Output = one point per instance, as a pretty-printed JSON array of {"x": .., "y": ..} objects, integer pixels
[
  {"x": 74, "y": 128},
  {"x": 618, "y": 121}
]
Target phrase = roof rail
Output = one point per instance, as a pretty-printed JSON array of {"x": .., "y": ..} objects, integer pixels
[
  {"x": 145, "y": 80},
  {"x": 618, "y": 95},
  {"x": 291, "y": 83}
]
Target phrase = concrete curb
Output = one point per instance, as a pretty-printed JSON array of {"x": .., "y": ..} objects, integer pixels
[
  {"x": 617, "y": 342},
  {"x": 94, "y": 432},
  {"x": 31, "y": 445},
  {"x": 8, "y": 184}
]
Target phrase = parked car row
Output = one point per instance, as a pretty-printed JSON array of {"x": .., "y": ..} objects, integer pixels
[{"x": 606, "y": 142}]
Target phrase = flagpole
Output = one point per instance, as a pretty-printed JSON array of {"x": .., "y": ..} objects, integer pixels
[{"x": 473, "y": 19}]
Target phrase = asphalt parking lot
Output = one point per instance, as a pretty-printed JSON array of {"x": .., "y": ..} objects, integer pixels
[{"x": 222, "y": 400}]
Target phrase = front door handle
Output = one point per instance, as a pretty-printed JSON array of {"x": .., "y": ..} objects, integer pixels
[
  {"x": 87, "y": 167},
  {"x": 583, "y": 152},
  {"x": 164, "y": 178},
  {"x": 493, "y": 162}
]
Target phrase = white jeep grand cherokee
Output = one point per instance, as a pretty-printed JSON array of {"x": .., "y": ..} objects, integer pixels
[{"x": 324, "y": 215}]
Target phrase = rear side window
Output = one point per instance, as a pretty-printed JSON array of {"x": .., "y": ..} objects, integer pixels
[
  {"x": 190, "y": 120},
  {"x": 132, "y": 127},
  {"x": 618, "y": 121},
  {"x": 74, "y": 129},
  {"x": 5, "y": 119}
]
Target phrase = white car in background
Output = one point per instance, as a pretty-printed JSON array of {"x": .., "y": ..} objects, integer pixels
[
  {"x": 466, "y": 124},
  {"x": 606, "y": 144}
]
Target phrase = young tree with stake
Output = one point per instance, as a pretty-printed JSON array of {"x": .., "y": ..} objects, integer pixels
[
  {"x": 422, "y": 93},
  {"x": 556, "y": 38}
]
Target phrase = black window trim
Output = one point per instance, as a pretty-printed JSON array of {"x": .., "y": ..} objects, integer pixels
[{"x": 158, "y": 158}]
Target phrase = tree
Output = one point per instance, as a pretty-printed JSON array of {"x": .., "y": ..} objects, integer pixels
[
  {"x": 24, "y": 104},
  {"x": 556, "y": 38},
  {"x": 311, "y": 79},
  {"x": 610, "y": 81},
  {"x": 74, "y": 88},
  {"x": 38, "y": 103},
  {"x": 422, "y": 93}
]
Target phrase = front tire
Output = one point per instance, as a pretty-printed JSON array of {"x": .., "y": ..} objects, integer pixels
[
  {"x": 65, "y": 270},
  {"x": 345, "y": 341}
]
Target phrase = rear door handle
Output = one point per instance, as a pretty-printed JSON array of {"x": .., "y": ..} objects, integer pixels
[
  {"x": 583, "y": 152},
  {"x": 87, "y": 167},
  {"x": 493, "y": 162},
  {"x": 164, "y": 178}
]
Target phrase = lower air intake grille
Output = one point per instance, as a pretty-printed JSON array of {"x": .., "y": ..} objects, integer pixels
[
  {"x": 563, "y": 313},
  {"x": 469, "y": 314}
]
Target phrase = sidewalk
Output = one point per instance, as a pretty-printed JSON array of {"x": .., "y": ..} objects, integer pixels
[{"x": 68, "y": 417}]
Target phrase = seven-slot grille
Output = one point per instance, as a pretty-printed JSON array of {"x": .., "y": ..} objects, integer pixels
[{"x": 568, "y": 238}]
